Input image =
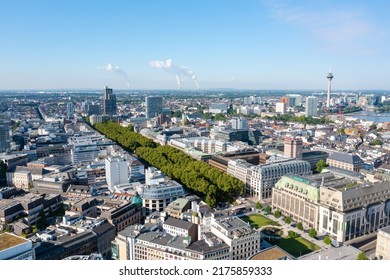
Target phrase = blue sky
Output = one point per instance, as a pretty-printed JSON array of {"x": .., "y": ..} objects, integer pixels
[{"x": 249, "y": 44}]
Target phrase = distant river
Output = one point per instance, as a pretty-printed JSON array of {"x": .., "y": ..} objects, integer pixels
[{"x": 371, "y": 116}]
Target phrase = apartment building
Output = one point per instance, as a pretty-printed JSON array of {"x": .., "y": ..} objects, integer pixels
[
  {"x": 120, "y": 213},
  {"x": 30, "y": 206},
  {"x": 243, "y": 241}
]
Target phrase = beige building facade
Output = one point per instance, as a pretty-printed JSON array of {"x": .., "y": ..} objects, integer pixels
[
  {"x": 383, "y": 244},
  {"x": 297, "y": 197},
  {"x": 337, "y": 206}
]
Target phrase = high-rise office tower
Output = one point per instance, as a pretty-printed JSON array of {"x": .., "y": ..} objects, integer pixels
[
  {"x": 154, "y": 106},
  {"x": 116, "y": 171},
  {"x": 311, "y": 106},
  {"x": 70, "y": 110},
  {"x": 108, "y": 103},
  {"x": 4, "y": 135},
  {"x": 293, "y": 147},
  {"x": 329, "y": 77}
]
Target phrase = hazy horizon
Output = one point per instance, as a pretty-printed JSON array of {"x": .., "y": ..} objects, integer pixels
[{"x": 66, "y": 90}]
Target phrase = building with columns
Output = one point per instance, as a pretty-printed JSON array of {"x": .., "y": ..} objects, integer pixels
[{"x": 336, "y": 205}]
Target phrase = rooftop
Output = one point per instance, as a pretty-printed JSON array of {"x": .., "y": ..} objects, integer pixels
[
  {"x": 116, "y": 159},
  {"x": 178, "y": 223},
  {"x": 131, "y": 231},
  {"x": 344, "y": 172},
  {"x": 155, "y": 237},
  {"x": 385, "y": 229},
  {"x": 340, "y": 253},
  {"x": 232, "y": 223},
  {"x": 28, "y": 197},
  {"x": 179, "y": 203},
  {"x": 35, "y": 171},
  {"x": 203, "y": 246},
  {"x": 8, "y": 203},
  {"x": 163, "y": 190},
  {"x": 281, "y": 161},
  {"x": 85, "y": 257},
  {"x": 345, "y": 157},
  {"x": 313, "y": 153},
  {"x": 330, "y": 180},
  {"x": 273, "y": 253},
  {"x": 8, "y": 240}
]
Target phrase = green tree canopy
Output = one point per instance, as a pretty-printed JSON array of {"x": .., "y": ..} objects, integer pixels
[
  {"x": 258, "y": 205},
  {"x": 208, "y": 116},
  {"x": 312, "y": 233},
  {"x": 362, "y": 256},
  {"x": 220, "y": 117},
  {"x": 321, "y": 164},
  {"x": 198, "y": 176},
  {"x": 293, "y": 234},
  {"x": 327, "y": 240},
  {"x": 277, "y": 214}
]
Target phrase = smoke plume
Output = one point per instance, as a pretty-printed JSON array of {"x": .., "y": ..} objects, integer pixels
[
  {"x": 180, "y": 71},
  {"x": 117, "y": 70}
]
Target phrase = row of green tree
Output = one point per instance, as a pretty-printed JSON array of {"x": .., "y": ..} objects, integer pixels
[
  {"x": 126, "y": 137},
  {"x": 198, "y": 176}
]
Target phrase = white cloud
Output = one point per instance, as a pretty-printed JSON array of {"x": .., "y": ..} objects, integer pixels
[
  {"x": 115, "y": 69},
  {"x": 180, "y": 71}
]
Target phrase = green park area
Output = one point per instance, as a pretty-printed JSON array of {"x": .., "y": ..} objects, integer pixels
[
  {"x": 258, "y": 221},
  {"x": 297, "y": 247}
]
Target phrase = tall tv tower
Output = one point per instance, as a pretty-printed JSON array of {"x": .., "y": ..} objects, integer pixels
[{"x": 330, "y": 77}]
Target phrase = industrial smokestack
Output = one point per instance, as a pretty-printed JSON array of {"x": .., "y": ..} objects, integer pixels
[
  {"x": 117, "y": 70},
  {"x": 179, "y": 71}
]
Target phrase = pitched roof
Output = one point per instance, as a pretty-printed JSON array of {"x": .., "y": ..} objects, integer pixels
[
  {"x": 178, "y": 223},
  {"x": 346, "y": 158}
]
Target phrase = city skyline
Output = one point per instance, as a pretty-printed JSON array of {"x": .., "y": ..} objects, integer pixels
[{"x": 223, "y": 44}]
